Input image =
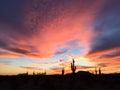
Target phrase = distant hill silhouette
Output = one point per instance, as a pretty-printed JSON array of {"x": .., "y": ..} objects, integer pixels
[{"x": 85, "y": 73}]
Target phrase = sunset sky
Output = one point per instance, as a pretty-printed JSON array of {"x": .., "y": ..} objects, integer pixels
[{"x": 39, "y": 35}]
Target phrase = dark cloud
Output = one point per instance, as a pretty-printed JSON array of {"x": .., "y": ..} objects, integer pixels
[
  {"x": 107, "y": 28},
  {"x": 103, "y": 64},
  {"x": 84, "y": 67},
  {"x": 55, "y": 68},
  {"x": 31, "y": 68},
  {"x": 110, "y": 55},
  {"x": 6, "y": 62},
  {"x": 22, "y": 51},
  {"x": 4, "y": 45},
  {"x": 73, "y": 43},
  {"x": 11, "y": 12},
  {"x": 62, "y": 51},
  {"x": 108, "y": 40}
]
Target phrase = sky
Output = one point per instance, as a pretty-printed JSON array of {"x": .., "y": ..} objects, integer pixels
[{"x": 45, "y": 35}]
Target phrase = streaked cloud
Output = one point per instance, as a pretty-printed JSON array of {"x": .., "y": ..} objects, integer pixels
[{"x": 40, "y": 30}]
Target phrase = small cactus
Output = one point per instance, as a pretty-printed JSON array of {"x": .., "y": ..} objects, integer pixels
[
  {"x": 95, "y": 71},
  {"x": 73, "y": 67},
  {"x": 99, "y": 71},
  {"x": 63, "y": 71},
  {"x": 33, "y": 73}
]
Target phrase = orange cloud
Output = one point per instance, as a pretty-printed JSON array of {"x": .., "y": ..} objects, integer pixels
[{"x": 108, "y": 60}]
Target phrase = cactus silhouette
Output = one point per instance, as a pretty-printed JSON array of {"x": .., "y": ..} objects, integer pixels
[
  {"x": 95, "y": 71},
  {"x": 73, "y": 67},
  {"x": 99, "y": 71},
  {"x": 33, "y": 73},
  {"x": 63, "y": 71}
]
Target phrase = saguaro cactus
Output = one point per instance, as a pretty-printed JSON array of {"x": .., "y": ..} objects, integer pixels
[
  {"x": 33, "y": 73},
  {"x": 63, "y": 71},
  {"x": 73, "y": 67},
  {"x": 95, "y": 71},
  {"x": 99, "y": 71}
]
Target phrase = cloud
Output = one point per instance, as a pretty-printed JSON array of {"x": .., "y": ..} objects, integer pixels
[
  {"x": 107, "y": 41},
  {"x": 106, "y": 29},
  {"x": 84, "y": 67},
  {"x": 111, "y": 55},
  {"x": 6, "y": 62},
  {"x": 31, "y": 68},
  {"x": 103, "y": 64},
  {"x": 5, "y": 46},
  {"x": 62, "y": 51},
  {"x": 105, "y": 46},
  {"x": 11, "y": 12},
  {"x": 42, "y": 28}
]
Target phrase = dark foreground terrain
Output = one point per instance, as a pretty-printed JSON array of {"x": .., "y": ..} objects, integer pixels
[{"x": 57, "y": 82}]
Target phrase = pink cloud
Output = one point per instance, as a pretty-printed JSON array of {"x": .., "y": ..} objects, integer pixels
[{"x": 42, "y": 34}]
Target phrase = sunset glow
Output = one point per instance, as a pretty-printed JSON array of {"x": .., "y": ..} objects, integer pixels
[{"x": 45, "y": 35}]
